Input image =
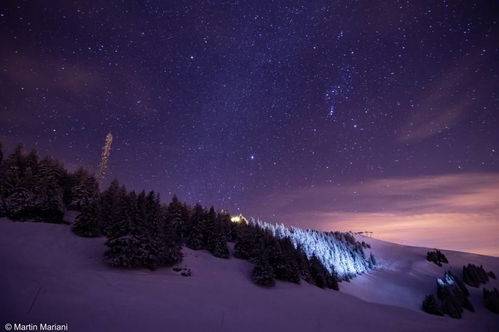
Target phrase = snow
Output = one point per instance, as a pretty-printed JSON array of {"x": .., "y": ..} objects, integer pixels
[
  {"x": 334, "y": 254},
  {"x": 404, "y": 276},
  {"x": 51, "y": 276}
]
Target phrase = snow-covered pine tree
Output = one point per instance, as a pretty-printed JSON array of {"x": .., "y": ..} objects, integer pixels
[
  {"x": 303, "y": 265},
  {"x": 196, "y": 229},
  {"x": 153, "y": 210},
  {"x": 84, "y": 189},
  {"x": 139, "y": 234},
  {"x": 372, "y": 260},
  {"x": 491, "y": 300},
  {"x": 170, "y": 243},
  {"x": 263, "y": 273},
  {"x": 339, "y": 252},
  {"x": 12, "y": 173},
  {"x": 177, "y": 216},
  {"x": 453, "y": 295},
  {"x": 122, "y": 223},
  {"x": 112, "y": 201},
  {"x": 87, "y": 223},
  {"x": 431, "y": 306},
  {"x": 474, "y": 275},
  {"x": 19, "y": 204},
  {"x": 318, "y": 273},
  {"x": 216, "y": 241},
  {"x": 131, "y": 251},
  {"x": 245, "y": 242},
  {"x": 283, "y": 260},
  {"x": 16, "y": 184},
  {"x": 48, "y": 192}
]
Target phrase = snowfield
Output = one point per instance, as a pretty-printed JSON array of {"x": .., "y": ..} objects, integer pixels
[{"x": 48, "y": 275}]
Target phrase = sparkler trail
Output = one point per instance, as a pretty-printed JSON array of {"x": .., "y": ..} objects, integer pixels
[{"x": 104, "y": 161}]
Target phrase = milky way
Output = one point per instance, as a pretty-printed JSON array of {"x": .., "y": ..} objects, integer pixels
[{"x": 229, "y": 102}]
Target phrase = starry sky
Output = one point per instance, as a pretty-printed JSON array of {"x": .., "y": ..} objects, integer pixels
[{"x": 362, "y": 115}]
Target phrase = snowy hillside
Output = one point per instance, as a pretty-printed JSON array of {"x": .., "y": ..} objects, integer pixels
[{"x": 50, "y": 275}]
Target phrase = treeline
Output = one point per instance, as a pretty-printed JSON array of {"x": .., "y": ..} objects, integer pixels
[
  {"x": 341, "y": 254},
  {"x": 40, "y": 189},
  {"x": 140, "y": 230},
  {"x": 277, "y": 258}
]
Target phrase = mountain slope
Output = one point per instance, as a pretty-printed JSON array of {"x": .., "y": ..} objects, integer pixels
[
  {"x": 404, "y": 276},
  {"x": 50, "y": 275}
]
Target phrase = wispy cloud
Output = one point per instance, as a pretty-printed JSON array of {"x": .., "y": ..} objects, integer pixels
[
  {"x": 443, "y": 103},
  {"x": 457, "y": 211}
]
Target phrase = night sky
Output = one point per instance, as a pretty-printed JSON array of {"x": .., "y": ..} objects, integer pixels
[{"x": 362, "y": 115}]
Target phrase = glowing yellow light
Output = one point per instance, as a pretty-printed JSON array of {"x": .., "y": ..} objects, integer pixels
[{"x": 238, "y": 219}]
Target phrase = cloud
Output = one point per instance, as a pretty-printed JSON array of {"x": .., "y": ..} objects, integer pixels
[
  {"x": 441, "y": 106},
  {"x": 455, "y": 211},
  {"x": 444, "y": 102}
]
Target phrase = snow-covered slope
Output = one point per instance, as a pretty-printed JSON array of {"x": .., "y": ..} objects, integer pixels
[
  {"x": 404, "y": 276},
  {"x": 50, "y": 275}
]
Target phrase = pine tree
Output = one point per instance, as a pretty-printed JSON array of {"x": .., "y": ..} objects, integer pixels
[
  {"x": 220, "y": 249},
  {"x": 216, "y": 241},
  {"x": 453, "y": 295},
  {"x": 263, "y": 273},
  {"x": 196, "y": 229},
  {"x": 431, "y": 306},
  {"x": 474, "y": 275},
  {"x": 303, "y": 265},
  {"x": 441, "y": 257},
  {"x": 170, "y": 243},
  {"x": 283, "y": 260},
  {"x": 11, "y": 177},
  {"x": 143, "y": 237},
  {"x": 152, "y": 210},
  {"x": 84, "y": 189},
  {"x": 436, "y": 257},
  {"x": 450, "y": 305},
  {"x": 224, "y": 219},
  {"x": 112, "y": 202},
  {"x": 177, "y": 216},
  {"x": 491, "y": 300},
  {"x": 48, "y": 191},
  {"x": 245, "y": 241},
  {"x": 372, "y": 260},
  {"x": 130, "y": 251},
  {"x": 332, "y": 281},
  {"x": 87, "y": 223},
  {"x": 17, "y": 204},
  {"x": 320, "y": 276},
  {"x": 318, "y": 272}
]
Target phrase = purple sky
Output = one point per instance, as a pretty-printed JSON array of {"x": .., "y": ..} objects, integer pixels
[{"x": 343, "y": 114}]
